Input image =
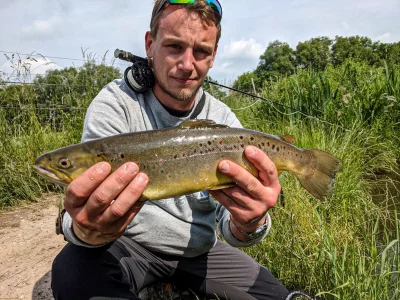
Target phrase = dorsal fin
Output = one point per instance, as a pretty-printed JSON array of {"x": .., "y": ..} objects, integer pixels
[
  {"x": 287, "y": 138},
  {"x": 201, "y": 124}
]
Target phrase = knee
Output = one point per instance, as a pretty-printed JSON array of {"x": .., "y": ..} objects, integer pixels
[{"x": 72, "y": 271}]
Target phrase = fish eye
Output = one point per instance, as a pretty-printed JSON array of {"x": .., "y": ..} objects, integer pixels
[{"x": 64, "y": 163}]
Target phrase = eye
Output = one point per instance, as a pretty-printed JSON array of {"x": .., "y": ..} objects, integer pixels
[
  {"x": 203, "y": 51},
  {"x": 64, "y": 163},
  {"x": 174, "y": 46}
]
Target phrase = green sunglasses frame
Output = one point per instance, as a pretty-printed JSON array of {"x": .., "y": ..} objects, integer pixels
[{"x": 215, "y": 5}]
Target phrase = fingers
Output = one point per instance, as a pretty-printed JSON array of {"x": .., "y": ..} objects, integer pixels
[
  {"x": 268, "y": 173},
  {"x": 127, "y": 202},
  {"x": 110, "y": 188},
  {"x": 79, "y": 190},
  {"x": 243, "y": 178}
]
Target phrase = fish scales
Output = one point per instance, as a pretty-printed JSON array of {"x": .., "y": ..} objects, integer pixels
[{"x": 184, "y": 159}]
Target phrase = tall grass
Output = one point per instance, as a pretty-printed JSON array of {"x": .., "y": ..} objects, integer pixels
[
  {"x": 352, "y": 92},
  {"x": 22, "y": 139},
  {"x": 348, "y": 246}
]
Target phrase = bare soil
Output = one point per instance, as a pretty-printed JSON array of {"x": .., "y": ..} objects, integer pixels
[{"x": 28, "y": 245}]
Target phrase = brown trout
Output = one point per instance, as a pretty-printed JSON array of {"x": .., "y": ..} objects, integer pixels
[{"x": 184, "y": 159}]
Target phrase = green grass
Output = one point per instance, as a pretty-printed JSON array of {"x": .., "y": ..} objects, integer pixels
[
  {"x": 21, "y": 141},
  {"x": 346, "y": 247}
]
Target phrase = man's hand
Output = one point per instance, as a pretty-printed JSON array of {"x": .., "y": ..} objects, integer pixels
[
  {"x": 249, "y": 201},
  {"x": 89, "y": 200}
]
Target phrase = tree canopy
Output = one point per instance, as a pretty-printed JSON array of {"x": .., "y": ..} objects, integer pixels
[{"x": 279, "y": 59}]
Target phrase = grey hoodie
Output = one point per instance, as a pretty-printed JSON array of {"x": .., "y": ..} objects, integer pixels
[{"x": 183, "y": 226}]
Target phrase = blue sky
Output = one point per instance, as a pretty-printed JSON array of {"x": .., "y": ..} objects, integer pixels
[{"x": 62, "y": 28}]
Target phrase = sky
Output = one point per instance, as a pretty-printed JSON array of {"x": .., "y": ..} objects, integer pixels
[{"x": 58, "y": 29}]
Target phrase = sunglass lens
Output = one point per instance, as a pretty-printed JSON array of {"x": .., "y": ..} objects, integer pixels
[
  {"x": 181, "y": 1},
  {"x": 215, "y": 6}
]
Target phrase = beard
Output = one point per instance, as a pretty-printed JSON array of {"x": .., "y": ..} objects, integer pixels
[{"x": 182, "y": 95}]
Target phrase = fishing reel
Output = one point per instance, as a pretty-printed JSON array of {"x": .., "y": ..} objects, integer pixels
[{"x": 139, "y": 76}]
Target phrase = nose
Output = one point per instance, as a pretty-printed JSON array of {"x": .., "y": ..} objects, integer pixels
[{"x": 186, "y": 62}]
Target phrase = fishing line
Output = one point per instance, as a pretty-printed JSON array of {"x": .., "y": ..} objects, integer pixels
[
  {"x": 243, "y": 108},
  {"x": 276, "y": 103}
]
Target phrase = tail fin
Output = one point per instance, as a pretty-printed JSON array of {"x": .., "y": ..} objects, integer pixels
[{"x": 319, "y": 176}]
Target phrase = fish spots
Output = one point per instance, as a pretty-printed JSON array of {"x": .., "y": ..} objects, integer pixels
[
  {"x": 201, "y": 145},
  {"x": 268, "y": 144},
  {"x": 273, "y": 146},
  {"x": 122, "y": 155},
  {"x": 160, "y": 161},
  {"x": 183, "y": 154},
  {"x": 175, "y": 156},
  {"x": 209, "y": 143},
  {"x": 277, "y": 149},
  {"x": 252, "y": 138},
  {"x": 220, "y": 142}
]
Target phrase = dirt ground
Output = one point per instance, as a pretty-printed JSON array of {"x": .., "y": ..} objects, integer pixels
[{"x": 28, "y": 245}]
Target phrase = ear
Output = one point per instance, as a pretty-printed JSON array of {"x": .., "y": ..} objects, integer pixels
[
  {"x": 213, "y": 56},
  {"x": 148, "y": 40}
]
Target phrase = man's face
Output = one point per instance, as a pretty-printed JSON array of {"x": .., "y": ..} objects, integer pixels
[{"x": 183, "y": 51}]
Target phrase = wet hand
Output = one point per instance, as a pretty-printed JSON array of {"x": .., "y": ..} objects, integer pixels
[
  {"x": 250, "y": 200},
  {"x": 102, "y": 205}
]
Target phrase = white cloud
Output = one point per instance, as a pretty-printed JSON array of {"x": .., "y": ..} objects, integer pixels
[
  {"x": 243, "y": 49},
  {"x": 237, "y": 57},
  {"x": 386, "y": 37},
  {"x": 49, "y": 28}
]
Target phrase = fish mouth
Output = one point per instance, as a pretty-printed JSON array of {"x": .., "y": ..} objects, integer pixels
[{"x": 45, "y": 173}]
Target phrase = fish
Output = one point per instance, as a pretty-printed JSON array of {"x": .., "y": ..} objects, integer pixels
[{"x": 184, "y": 159}]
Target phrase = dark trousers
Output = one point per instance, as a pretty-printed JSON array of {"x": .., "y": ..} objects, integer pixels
[{"x": 122, "y": 268}]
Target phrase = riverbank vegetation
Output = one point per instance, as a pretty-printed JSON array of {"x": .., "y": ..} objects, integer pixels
[{"x": 346, "y": 247}]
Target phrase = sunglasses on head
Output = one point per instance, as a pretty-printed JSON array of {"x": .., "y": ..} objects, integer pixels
[{"x": 214, "y": 4}]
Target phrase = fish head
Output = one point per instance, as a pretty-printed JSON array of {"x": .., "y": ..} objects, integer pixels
[{"x": 64, "y": 165}]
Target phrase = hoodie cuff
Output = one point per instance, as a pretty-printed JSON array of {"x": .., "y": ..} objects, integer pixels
[
  {"x": 224, "y": 229},
  {"x": 70, "y": 235}
]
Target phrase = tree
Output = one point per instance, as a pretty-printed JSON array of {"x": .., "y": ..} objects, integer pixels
[
  {"x": 244, "y": 82},
  {"x": 74, "y": 86},
  {"x": 356, "y": 48},
  {"x": 314, "y": 53},
  {"x": 278, "y": 59},
  {"x": 390, "y": 53}
]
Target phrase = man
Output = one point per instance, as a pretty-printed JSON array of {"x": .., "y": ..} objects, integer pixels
[{"x": 119, "y": 244}]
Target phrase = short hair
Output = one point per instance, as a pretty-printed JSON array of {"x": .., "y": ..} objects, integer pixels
[{"x": 201, "y": 7}]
